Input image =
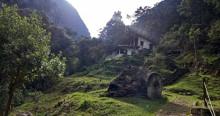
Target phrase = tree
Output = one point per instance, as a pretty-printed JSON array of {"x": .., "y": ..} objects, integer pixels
[
  {"x": 214, "y": 37},
  {"x": 64, "y": 41},
  {"x": 215, "y": 3},
  {"x": 114, "y": 32},
  {"x": 194, "y": 35},
  {"x": 24, "y": 50},
  {"x": 196, "y": 12},
  {"x": 154, "y": 22},
  {"x": 91, "y": 51}
]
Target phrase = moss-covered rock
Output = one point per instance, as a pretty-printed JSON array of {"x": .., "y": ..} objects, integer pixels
[{"x": 136, "y": 82}]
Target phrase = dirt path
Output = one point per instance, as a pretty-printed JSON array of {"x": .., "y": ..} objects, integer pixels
[{"x": 173, "y": 109}]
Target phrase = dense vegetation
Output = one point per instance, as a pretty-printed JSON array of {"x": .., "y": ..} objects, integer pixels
[
  {"x": 25, "y": 53},
  {"x": 192, "y": 41},
  {"x": 35, "y": 53}
]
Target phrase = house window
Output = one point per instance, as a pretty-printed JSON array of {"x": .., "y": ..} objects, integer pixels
[{"x": 142, "y": 43}]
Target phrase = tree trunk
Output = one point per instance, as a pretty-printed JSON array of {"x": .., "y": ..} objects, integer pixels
[
  {"x": 10, "y": 97},
  {"x": 195, "y": 56}
]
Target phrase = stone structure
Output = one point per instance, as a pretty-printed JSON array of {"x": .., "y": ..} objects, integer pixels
[{"x": 136, "y": 82}]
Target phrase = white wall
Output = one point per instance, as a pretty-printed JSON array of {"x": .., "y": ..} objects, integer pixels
[
  {"x": 129, "y": 52},
  {"x": 146, "y": 44}
]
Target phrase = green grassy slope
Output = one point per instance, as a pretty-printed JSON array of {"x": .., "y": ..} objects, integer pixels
[
  {"x": 189, "y": 90},
  {"x": 72, "y": 97},
  {"x": 84, "y": 96}
]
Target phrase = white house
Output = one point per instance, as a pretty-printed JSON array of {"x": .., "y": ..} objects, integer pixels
[
  {"x": 143, "y": 43},
  {"x": 134, "y": 46}
]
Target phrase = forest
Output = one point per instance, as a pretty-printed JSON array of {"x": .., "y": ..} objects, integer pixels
[{"x": 50, "y": 70}]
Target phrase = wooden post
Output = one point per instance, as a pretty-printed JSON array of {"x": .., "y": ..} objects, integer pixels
[{"x": 205, "y": 97}]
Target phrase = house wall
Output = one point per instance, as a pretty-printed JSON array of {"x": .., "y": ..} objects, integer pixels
[
  {"x": 146, "y": 44},
  {"x": 129, "y": 52}
]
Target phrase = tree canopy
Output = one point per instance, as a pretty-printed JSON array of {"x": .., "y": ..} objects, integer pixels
[{"x": 24, "y": 51}]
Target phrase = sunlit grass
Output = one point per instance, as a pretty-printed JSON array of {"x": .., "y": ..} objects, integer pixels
[
  {"x": 91, "y": 102},
  {"x": 193, "y": 84}
]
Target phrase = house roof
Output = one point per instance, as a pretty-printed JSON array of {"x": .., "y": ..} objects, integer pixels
[{"x": 127, "y": 46}]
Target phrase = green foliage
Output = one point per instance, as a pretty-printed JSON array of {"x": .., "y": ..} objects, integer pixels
[
  {"x": 214, "y": 31},
  {"x": 91, "y": 51},
  {"x": 3, "y": 97},
  {"x": 160, "y": 64},
  {"x": 25, "y": 50},
  {"x": 194, "y": 33},
  {"x": 113, "y": 67},
  {"x": 52, "y": 70},
  {"x": 80, "y": 53},
  {"x": 63, "y": 42},
  {"x": 114, "y": 33},
  {"x": 185, "y": 59},
  {"x": 193, "y": 83},
  {"x": 215, "y": 3},
  {"x": 82, "y": 84},
  {"x": 196, "y": 11},
  {"x": 214, "y": 36},
  {"x": 185, "y": 42},
  {"x": 184, "y": 8}
]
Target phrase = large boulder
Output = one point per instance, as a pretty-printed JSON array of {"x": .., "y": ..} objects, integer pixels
[{"x": 136, "y": 82}]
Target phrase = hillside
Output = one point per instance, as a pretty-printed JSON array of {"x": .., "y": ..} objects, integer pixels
[
  {"x": 86, "y": 96},
  {"x": 59, "y": 12}
]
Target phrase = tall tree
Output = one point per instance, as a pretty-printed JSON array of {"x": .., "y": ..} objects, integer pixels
[
  {"x": 194, "y": 34},
  {"x": 114, "y": 32},
  {"x": 24, "y": 50}
]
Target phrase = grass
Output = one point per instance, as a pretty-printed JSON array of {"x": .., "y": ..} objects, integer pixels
[
  {"x": 190, "y": 90},
  {"x": 90, "y": 104},
  {"x": 115, "y": 66},
  {"x": 83, "y": 102},
  {"x": 83, "y": 96},
  {"x": 82, "y": 84}
]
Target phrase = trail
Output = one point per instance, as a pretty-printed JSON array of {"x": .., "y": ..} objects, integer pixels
[{"x": 173, "y": 109}]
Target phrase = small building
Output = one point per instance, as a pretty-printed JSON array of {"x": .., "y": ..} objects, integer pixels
[{"x": 135, "y": 45}]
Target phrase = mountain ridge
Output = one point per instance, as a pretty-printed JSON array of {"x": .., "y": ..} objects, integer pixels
[{"x": 59, "y": 12}]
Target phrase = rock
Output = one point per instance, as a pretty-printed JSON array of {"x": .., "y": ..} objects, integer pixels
[{"x": 136, "y": 82}]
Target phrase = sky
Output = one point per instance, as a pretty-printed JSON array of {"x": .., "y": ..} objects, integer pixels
[{"x": 96, "y": 13}]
